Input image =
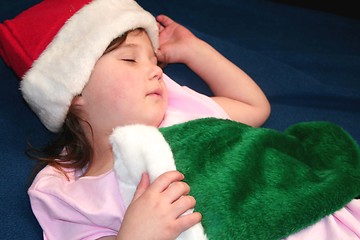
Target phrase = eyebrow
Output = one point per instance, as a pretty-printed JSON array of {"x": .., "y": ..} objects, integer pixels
[
  {"x": 135, "y": 47},
  {"x": 129, "y": 45}
]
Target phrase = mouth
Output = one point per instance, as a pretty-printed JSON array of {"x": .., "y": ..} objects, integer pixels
[{"x": 156, "y": 93}]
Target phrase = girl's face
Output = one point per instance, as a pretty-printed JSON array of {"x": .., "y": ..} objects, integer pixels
[{"x": 126, "y": 87}]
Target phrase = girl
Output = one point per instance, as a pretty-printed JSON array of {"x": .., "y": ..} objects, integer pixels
[
  {"x": 100, "y": 70},
  {"x": 91, "y": 66}
]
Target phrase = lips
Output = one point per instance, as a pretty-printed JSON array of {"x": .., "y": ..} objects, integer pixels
[{"x": 155, "y": 92}]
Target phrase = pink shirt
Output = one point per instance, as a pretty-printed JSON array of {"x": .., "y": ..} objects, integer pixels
[
  {"x": 91, "y": 207},
  {"x": 185, "y": 104}
]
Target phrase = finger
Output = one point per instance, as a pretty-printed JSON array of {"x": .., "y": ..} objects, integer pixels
[
  {"x": 184, "y": 205},
  {"x": 160, "y": 27},
  {"x": 164, "y": 20},
  {"x": 142, "y": 186},
  {"x": 186, "y": 221},
  {"x": 175, "y": 191},
  {"x": 164, "y": 180},
  {"x": 161, "y": 57}
]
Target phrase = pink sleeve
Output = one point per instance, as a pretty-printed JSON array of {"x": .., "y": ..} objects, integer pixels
[
  {"x": 61, "y": 221},
  {"x": 77, "y": 209}
]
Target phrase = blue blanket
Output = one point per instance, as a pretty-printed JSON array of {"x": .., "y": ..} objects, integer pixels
[{"x": 307, "y": 61}]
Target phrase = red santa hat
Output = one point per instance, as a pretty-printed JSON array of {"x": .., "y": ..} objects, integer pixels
[{"x": 54, "y": 45}]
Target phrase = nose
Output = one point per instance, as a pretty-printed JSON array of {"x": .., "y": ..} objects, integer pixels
[{"x": 156, "y": 72}]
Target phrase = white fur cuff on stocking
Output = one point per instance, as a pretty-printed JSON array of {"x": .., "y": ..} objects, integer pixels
[{"x": 138, "y": 149}]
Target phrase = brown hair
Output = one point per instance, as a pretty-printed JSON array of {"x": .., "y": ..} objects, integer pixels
[{"x": 70, "y": 148}]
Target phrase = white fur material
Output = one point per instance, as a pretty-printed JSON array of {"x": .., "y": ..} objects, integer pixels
[
  {"x": 64, "y": 67},
  {"x": 138, "y": 149}
]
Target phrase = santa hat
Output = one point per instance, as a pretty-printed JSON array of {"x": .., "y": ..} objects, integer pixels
[{"x": 54, "y": 45}]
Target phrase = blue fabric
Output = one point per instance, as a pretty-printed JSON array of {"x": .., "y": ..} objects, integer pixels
[{"x": 307, "y": 62}]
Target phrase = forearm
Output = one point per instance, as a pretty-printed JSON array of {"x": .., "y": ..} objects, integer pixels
[{"x": 226, "y": 80}]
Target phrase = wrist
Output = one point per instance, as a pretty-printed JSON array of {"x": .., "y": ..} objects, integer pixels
[
  {"x": 198, "y": 52},
  {"x": 195, "y": 49}
]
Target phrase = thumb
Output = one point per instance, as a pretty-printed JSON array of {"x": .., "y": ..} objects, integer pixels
[
  {"x": 160, "y": 56},
  {"x": 142, "y": 186}
]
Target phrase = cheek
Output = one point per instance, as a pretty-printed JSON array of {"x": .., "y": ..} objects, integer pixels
[
  {"x": 105, "y": 77},
  {"x": 107, "y": 85},
  {"x": 110, "y": 87},
  {"x": 121, "y": 97}
]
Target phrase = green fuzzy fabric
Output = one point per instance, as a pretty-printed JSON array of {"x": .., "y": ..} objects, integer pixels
[{"x": 258, "y": 183}]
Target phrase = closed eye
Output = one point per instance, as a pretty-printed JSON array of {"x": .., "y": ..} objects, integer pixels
[{"x": 128, "y": 60}]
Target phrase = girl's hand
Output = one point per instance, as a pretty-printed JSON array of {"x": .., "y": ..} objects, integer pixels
[
  {"x": 174, "y": 41},
  {"x": 156, "y": 209}
]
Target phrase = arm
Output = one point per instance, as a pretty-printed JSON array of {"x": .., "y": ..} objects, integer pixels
[
  {"x": 156, "y": 209},
  {"x": 233, "y": 89}
]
